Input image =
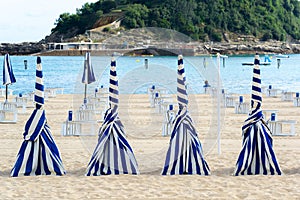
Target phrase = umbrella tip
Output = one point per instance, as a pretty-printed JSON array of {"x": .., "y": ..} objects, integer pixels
[{"x": 38, "y": 60}]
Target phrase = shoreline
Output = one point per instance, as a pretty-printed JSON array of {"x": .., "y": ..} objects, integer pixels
[{"x": 193, "y": 49}]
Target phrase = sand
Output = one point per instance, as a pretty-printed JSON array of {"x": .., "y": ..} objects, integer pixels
[{"x": 143, "y": 128}]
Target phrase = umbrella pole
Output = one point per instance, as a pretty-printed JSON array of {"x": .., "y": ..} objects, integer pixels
[
  {"x": 219, "y": 106},
  {"x": 6, "y": 93},
  {"x": 85, "y": 88}
]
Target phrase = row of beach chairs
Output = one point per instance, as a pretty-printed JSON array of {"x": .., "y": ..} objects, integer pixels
[
  {"x": 277, "y": 127},
  {"x": 163, "y": 104},
  {"x": 18, "y": 104},
  {"x": 88, "y": 117}
]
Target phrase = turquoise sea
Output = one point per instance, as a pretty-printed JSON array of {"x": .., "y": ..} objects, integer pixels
[{"x": 135, "y": 75}]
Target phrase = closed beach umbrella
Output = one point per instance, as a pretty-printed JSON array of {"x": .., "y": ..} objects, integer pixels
[
  {"x": 38, "y": 154},
  {"x": 8, "y": 75},
  {"x": 185, "y": 154},
  {"x": 113, "y": 154},
  {"x": 257, "y": 155},
  {"x": 88, "y": 76}
]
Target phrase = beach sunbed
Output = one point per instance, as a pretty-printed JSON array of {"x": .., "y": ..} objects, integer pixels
[
  {"x": 286, "y": 96},
  {"x": 282, "y": 127},
  {"x": 8, "y": 112},
  {"x": 169, "y": 117},
  {"x": 229, "y": 101},
  {"x": 79, "y": 128},
  {"x": 296, "y": 101},
  {"x": 241, "y": 108}
]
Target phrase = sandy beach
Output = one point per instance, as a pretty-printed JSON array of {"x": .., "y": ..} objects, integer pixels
[{"x": 143, "y": 128}]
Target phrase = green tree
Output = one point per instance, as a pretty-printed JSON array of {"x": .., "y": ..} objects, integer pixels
[
  {"x": 200, "y": 19},
  {"x": 136, "y": 15}
]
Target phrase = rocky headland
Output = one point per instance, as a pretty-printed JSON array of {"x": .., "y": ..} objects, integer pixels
[{"x": 25, "y": 48}]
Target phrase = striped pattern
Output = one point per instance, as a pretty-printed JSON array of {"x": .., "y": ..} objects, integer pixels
[
  {"x": 113, "y": 85},
  {"x": 185, "y": 154},
  {"x": 88, "y": 76},
  {"x": 257, "y": 155},
  {"x": 38, "y": 154},
  {"x": 182, "y": 97},
  {"x": 8, "y": 75},
  {"x": 113, "y": 154},
  {"x": 39, "y": 85},
  {"x": 256, "y": 97}
]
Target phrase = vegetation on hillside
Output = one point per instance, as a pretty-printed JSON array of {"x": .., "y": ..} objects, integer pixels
[{"x": 201, "y": 19}]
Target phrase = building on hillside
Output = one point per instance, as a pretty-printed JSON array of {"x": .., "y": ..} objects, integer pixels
[{"x": 75, "y": 46}]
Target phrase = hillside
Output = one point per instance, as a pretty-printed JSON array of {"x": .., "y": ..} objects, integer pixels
[{"x": 202, "y": 20}]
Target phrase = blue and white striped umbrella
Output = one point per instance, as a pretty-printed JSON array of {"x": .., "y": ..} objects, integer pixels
[
  {"x": 257, "y": 155},
  {"x": 113, "y": 154},
  {"x": 38, "y": 154},
  {"x": 88, "y": 76},
  {"x": 185, "y": 154},
  {"x": 8, "y": 75}
]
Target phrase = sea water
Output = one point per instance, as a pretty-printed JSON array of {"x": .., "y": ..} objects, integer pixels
[{"x": 136, "y": 74}]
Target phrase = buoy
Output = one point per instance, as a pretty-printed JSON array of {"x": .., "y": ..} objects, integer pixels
[
  {"x": 146, "y": 63},
  {"x": 278, "y": 63},
  {"x": 25, "y": 64}
]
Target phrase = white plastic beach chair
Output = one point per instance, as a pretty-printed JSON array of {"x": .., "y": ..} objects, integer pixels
[
  {"x": 102, "y": 93},
  {"x": 241, "y": 108},
  {"x": 296, "y": 101},
  {"x": 210, "y": 90},
  {"x": 229, "y": 101},
  {"x": 85, "y": 115},
  {"x": 79, "y": 128},
  {"x": 286, "y": 96},
  {"x": 282, "y": 127},
  {"x": 85, "y": 123},
  {"x": 50, "y": 92},
  {"x": 99, "y": 105},
  {"x": 21, "y": 102},
  {"x": 268, "y": 114},
  {"x": 264, "y": 89},
  {"x": 272, "y": 92},
  {"x": 151, "y": 93},
  {"x": 169, "y": 117},
  {"x": 8, "y": 112},
  {"x": 30, "y": 100}
]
